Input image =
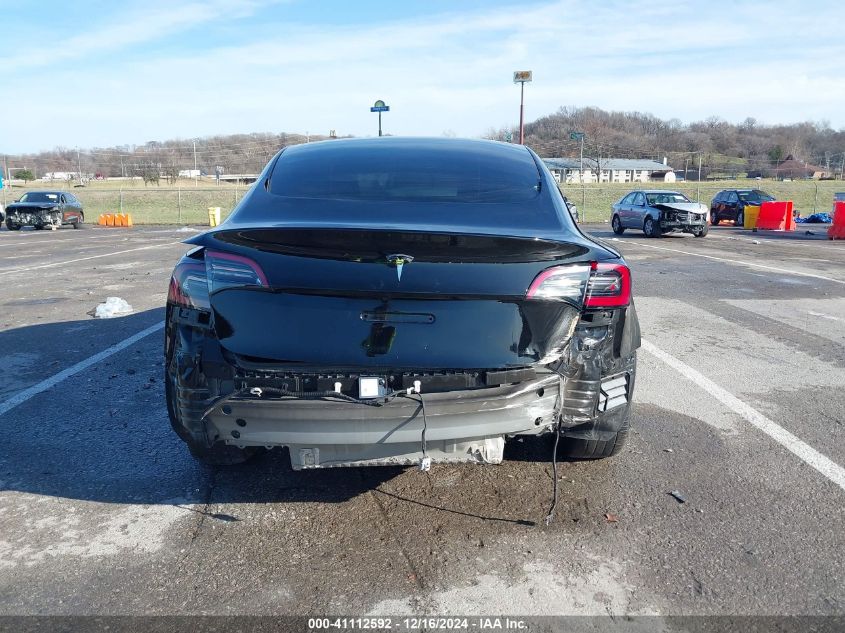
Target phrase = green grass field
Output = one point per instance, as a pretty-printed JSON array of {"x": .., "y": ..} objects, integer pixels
[{"x": 185, "y": 203}]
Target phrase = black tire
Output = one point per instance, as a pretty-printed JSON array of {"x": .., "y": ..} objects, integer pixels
[
  {"x": 575, "y": 448},
  {"x": 650, "y": 227},
  {"x": 13, "y": 227},
  {"x": 38, "y": 227},
  {"x": 78, "y": 222},
  {"x": 616, "y": 225},
  {"x": 740, "y": 218},
  {"x": 714, "y": 218},
  {"x": 700, "y": 232},
  {"x": 219, "y": 453}
]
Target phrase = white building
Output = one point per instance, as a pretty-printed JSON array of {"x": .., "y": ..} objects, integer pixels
[
  {"x": 568, "y": 170},
  {"x": 57, "y": 175}
]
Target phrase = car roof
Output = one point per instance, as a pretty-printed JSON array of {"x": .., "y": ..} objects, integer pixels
[
  {"x": 655, "y": 191},
  {"x": 448, "y": 146}
]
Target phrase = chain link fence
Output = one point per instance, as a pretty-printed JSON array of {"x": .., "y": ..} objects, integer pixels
[
  {"x": 189, "y": 205},
  {"x": 152, "y": 205}
]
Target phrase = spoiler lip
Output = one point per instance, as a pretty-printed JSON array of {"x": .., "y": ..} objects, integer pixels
[{"x": 577, "y": 241}]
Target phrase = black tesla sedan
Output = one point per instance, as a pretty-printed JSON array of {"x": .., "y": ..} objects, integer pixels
[{"x": 399, "y": 301}]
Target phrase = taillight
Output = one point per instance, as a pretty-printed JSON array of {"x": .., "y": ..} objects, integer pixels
[
  {"x": 188, "y": 285},
  {"x": 595, "y": 285},
  {"x": 561, "y": 283},
  {"x": 226, "y": 270},
  {"x": 609, "y": 286}
]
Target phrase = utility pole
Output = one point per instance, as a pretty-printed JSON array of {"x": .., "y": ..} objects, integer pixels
[
  {"x": 579, "y": 136},
  {"x": 79, "y": 165},
  {"x": 520, "y": 77},
  {"x": 196, "y": 174},
  {"x": 581, "y": 169},
  {"x": 8, "y": 180},
  {"x": 698, "y": 189},
  {"x": 842, "y": 169}
]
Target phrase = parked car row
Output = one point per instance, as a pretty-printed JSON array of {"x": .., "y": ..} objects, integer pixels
[{"x": 658, "y": 211}]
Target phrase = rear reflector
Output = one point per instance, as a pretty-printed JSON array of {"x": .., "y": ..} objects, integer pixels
[{"x": 226, "y": 270}]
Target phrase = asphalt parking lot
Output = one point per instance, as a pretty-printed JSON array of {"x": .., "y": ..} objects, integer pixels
[{"x": 739, "y": 407}]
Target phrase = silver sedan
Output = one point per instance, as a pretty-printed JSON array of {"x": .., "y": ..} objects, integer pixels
[{"x": 657, "y": 212}]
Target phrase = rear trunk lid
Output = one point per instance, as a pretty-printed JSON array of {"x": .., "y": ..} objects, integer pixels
[{"x": 355, "y": 298}]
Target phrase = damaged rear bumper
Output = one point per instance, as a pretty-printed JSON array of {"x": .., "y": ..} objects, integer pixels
[
  {"x": 460, "y": 426},
  {"x": 209, "y": 401}
]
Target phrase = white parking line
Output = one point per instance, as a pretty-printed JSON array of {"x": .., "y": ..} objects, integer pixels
[
  {"x": 10, "y": 271},
  {"x": 830, "y": 469},
  {"x": 52, "y": 381},
  {"x": 784, "y": 271}
]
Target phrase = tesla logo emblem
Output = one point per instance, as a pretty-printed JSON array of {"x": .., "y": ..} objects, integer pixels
[{"x": 399, "y": 261}]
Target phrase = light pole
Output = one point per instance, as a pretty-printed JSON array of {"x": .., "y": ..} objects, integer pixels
[
  {"x": 520, "y": 77},
  {"x": 196, "y": 172},
  {"x": 379, "y": 106}
]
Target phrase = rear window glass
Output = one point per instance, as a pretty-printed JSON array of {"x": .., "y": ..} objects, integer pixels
[
  {"x": 408, "y": 173},
  {"x": 756, "y": 195}
]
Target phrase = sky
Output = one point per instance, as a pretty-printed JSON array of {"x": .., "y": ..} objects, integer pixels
[{"x": 104, "y": 73}]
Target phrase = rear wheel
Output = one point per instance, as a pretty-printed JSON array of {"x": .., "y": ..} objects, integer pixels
[
  {"x": 576, "y": 448},
  {"x": 79, "y": 220},
  {"x": 186, "y": 393},
  {"x": 617, "y": 225},
  {"x": 740, "y": 218},
  {"x": 714, "y": 218},
  {"x": 650, "y": 228}
]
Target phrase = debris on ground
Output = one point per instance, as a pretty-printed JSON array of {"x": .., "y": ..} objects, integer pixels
[
  {"x": 112, "y": 307},
  {"x": 678, "y": 496},
  {"x": 611, "y": 518},
  {"x": 668, "y": 450},
  {"x": 755, "y": 241}
]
